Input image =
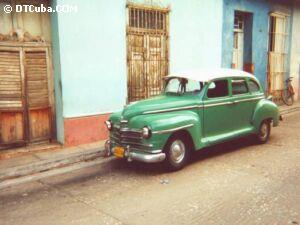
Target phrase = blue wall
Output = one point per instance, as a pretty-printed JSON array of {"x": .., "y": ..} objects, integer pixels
[
  {"x": 92, "y": 57},
  {"x": 57, "y": 77},
  {"x": 260, "y": 10},
  {"x": 260, "y": 33}
]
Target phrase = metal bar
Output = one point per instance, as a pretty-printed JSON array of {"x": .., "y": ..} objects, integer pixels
[
  {"x": 172, "y": 130},
  {"x": 146, "y": 7}
]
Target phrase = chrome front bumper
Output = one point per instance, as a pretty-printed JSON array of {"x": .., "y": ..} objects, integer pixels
[{"x": 136, "y": 156}]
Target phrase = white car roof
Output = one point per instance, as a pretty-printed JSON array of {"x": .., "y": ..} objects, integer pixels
[{"x": 206, "y": 75}]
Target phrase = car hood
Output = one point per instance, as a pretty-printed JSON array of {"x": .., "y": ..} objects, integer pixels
[{"x": 161, "y": 102}]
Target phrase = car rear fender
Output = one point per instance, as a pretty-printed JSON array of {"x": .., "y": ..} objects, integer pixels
[{"x": 265, "y": 109}]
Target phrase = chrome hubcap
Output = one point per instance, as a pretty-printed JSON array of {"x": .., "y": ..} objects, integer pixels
[
  {"x": 177, "y": 152},
  {"x": 263, "y": 131}
]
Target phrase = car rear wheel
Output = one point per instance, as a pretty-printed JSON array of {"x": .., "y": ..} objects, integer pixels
[
  {"x": 264, "y": 132},
  {"x": 177, "y": 153}
]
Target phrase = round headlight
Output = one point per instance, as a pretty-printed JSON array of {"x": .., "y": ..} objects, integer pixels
[
  {"x": 146, "y": 132},
  {"x": 109, "y": 124}
]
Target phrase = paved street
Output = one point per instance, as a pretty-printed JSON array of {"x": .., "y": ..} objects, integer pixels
[{"x": 233, "y": 183}]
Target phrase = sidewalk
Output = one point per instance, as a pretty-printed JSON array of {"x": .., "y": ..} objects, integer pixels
[
  {"x": 22, "y": 163},
  {"x": 26, "y": 163}
]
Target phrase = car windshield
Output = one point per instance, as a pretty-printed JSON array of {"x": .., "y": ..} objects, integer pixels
[{"x": 182, "y": 85}]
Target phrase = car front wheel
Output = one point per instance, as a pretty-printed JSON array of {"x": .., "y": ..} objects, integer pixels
[
  {"x": 264, "y": 132},
  {"x": 177, "y": 153}
]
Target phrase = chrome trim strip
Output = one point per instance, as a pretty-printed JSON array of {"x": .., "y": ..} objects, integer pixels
[
  {"x": 234, "y": 102},
  {"x": 130, "y": 130},
  {"x": 172, "y": 130},
  {"x": 173, "y": 109},
  {"x": 218, "y": 104},
  {"x": 248, "y": 100}
]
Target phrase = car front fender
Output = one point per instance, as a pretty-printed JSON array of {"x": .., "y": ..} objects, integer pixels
[{"x": 163, "y": 125}]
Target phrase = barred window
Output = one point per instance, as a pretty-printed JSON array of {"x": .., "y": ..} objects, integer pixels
[{"x": 147, "y": 19}]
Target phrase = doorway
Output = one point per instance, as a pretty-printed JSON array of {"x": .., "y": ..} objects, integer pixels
[
  {"x": 26, "y": 98},
  {"x": 242, "y": 41},
  {"x": 238, "y": 42},
  {"x": 277, "y": 54},
  {"x": 26, "y": 92}
]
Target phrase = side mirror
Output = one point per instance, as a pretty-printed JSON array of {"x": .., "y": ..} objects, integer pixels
[{"x": 212, "y": 85}]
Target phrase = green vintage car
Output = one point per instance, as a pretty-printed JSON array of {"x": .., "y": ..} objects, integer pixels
[{"x": 197, "y": 108}]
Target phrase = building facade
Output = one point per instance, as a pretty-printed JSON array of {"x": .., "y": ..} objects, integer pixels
[
  {"x": 257, "y": 38},
  {"x": 71, "y": 70},
  {"x": 122, "y": 53}
]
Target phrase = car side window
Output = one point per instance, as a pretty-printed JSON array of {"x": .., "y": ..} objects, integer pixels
[
  {"x": 253, "y": 86},
  {"x": 218, "y": 88},
  {"x": 239, "y": 87}
]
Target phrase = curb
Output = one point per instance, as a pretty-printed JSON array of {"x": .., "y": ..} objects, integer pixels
[
  {"x": 48, "y": 164},
  {"x": 55, "y": 171},
  {"x": 289, "y": 110}
]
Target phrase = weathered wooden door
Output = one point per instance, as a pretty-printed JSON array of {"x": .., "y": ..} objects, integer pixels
[
  {"x": 277, "y": 55},
  {"x": 147, "y": 51},
  {"x": 137, "y": 75},
  {"x": 25, "y": 96},
  {"x": 37, "y": 94},
  {"x": 155, "y": 64}
]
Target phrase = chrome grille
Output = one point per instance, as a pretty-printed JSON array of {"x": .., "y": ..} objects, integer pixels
[{"x": 123, "y": 136}]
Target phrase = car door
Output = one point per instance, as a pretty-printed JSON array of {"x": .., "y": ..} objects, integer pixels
[
  {"x": 242, "y": 108},
  {"x": 245, "y": 95},
  {"x": 218, "y": 120}
]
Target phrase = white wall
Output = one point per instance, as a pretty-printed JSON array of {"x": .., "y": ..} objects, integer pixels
[
  {"x": 195, "y": 34},
  {"x": 93, "y": 57},
  {"x": 93, "y": 49}
]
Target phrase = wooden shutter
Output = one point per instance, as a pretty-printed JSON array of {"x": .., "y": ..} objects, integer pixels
[
  {"x": 39, "y": 111},
  {"x": 10, "y": 80},
  {"x": 11, "y": 104}
]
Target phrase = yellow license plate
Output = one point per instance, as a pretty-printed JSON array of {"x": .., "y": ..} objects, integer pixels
[{"x": 119, "y": 152}]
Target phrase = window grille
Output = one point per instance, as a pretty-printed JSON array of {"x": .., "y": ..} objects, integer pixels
[{"x": 147, "y": 19}]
